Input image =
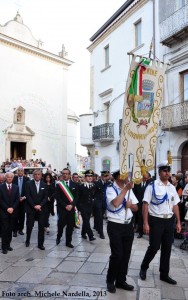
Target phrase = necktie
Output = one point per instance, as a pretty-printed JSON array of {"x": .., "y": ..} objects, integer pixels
[
  {"x": 37, "y": 186},
  {"x": 20, "y": 185},
  {"x": 9, "y": 189},
  {"x": 67, "y": 183}
]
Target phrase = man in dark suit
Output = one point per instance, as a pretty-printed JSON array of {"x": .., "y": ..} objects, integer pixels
[
  {"x": 20, "y": 181},
  {"x": 98, "y": 205},
  {"x": 36, "y": 199},
  {"x": 66, "y": 196},
  {"x": 9, "y": 200},
  {"x": 139, "y": 190}
]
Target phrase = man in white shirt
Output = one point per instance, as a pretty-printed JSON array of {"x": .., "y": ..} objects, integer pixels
[
  {"x": 160, "y": 202},
  {"x": 121, "y": 203}
]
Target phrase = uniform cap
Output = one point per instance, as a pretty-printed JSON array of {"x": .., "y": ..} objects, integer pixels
[
  {"x": 164, "y": 166},
  {"x": 116, "y": 172},
  {"x": 103, "y": 173},
  {"x": 89, "y": 172}
]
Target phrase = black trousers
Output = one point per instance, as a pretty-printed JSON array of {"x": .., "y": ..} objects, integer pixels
[
  {"x": 31, "y": 218},
  {"x": 98, "y": 219},
  {"x": 121, "y": 238},
  {"x": 140, "y": 219},
  {"x": 161, "y": 236},
  {"x": 20, "y": 217},
  {"x": 86, "y": 228},
  {"x": 6, "y": 230},
  {"x": 65, "y": 218}
]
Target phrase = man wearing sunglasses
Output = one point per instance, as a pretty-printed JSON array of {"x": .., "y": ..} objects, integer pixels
[{"x": 160, "y": 209}]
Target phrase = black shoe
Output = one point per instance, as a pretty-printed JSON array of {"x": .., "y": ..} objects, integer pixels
[
  {"x": 142, "y": 274},
  {"x": 102, "y": 236},
  {"x": 27, "y": 244},
  {"x": 41, "y": 247},
  {"x": 4, "y": 251},
  {"x": 125, "y": 286},
  {"x": 21, "y": 232},
  {"x": 84, "y": 236},
  {"x": 139, "y": 236},
  {"x": 76, "y": 227},
  {"x": 111, "y": 287},
  {"x": 58, "y": 241},
  {"x": 9, "y": 248},
  {"x": 69, "y": 245},
  {"x": 92, "y": 239},
  {"x": 168, "y": 279},
  {"x": 14, "y": 234}
]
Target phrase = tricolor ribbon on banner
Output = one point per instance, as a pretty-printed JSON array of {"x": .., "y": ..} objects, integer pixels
[{"x": 141, "y": 115}]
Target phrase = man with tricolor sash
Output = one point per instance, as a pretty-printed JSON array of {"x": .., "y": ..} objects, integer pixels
[{"x": 66, "y": 197}]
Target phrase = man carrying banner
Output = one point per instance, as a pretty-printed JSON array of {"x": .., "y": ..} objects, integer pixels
[
  {"x": 121, "y": 203},
  {"x": 66, "y": 196},
  {"x": 161, "y": 202}
]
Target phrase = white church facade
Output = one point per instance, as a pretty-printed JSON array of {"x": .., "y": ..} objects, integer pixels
[{"x": 34, "y": 116}]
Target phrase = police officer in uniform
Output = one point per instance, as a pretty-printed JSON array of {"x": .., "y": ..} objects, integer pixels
[
  {"x": 161, "y": 202},
  {"x": 85, "y": 204},
  {"x": 98, "y": 206},
  {"x": 121, "y": 203}
]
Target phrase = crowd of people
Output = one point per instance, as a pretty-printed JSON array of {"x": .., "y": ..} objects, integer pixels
[
  {"x": 154, "y": 207},
  {"x": 22, "y": 197}
]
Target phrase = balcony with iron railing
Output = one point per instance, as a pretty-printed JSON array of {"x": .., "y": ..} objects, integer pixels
[
  {"x": 175, "y": 27},
  {"x": 175, "y": 117},
  {"x": 103, "y": 133}
]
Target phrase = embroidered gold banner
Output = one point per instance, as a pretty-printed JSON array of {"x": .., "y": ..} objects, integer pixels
[{"x": 141, "y": 115}]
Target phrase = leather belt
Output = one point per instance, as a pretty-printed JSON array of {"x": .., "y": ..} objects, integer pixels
[{"x": 120, "y": 221}]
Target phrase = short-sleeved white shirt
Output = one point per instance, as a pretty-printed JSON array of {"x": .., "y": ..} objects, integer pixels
[
  {"x": 123, "y": 214},
  {"x": 160, "y": 190}
]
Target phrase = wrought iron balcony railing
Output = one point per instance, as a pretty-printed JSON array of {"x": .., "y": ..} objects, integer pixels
[
  {"x": 175, "y": 116},
  {"x": 103, "y": 133},
  {"x": 175, "y": 26}
]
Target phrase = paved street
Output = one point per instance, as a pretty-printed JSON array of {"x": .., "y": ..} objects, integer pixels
[{"x": 63, "y": 273}]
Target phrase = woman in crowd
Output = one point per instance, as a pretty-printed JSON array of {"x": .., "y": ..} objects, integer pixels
[
  {"x": 176, "y": 182},
  {"x": 48, "y": 179}
]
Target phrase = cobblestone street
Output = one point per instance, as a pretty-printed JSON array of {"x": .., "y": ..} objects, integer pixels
[{"x": 80, "y": 273}]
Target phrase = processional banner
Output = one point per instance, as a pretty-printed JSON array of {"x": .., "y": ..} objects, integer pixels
[{"x": 141, "y": 115}]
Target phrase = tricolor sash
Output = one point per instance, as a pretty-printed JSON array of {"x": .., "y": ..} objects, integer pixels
[{"x": 66, "y": 191}]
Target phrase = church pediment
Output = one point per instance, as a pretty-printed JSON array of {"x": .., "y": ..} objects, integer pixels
[{"x": 19, "y": 31}]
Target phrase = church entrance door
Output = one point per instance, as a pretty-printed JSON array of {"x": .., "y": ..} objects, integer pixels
[
  {"x": 18, "y": 150},
  {"x": 184, "y": 161}
]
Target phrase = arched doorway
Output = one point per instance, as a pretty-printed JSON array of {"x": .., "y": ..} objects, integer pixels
[{"x": 184, "y": 161}]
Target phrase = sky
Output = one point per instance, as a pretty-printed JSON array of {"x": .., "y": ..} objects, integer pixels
[{"x": 68, "y": 22}]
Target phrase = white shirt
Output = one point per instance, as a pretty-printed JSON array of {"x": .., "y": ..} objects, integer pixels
[
  {"x": 185, "y": 190},
  {"x": 123, "y": 214},
  {"x": 160, "y": 190}
]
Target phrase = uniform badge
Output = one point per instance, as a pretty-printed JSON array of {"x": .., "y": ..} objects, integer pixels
[{"x": 172, "y": 199}]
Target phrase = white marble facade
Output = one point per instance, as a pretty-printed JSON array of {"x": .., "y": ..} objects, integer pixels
[{"x": 35, "y": 81}]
